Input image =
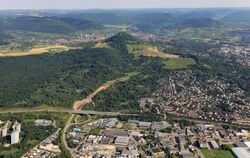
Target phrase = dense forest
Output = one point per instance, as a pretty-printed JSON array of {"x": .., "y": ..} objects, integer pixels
[
  {"x": 124, "y": 96},
  {"x": 58, "y": 79}
]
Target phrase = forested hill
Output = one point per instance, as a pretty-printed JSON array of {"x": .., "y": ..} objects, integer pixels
[
  {"x": 59, "y": 79},
  {"x": 47, "y": 24},
  {"x": 120, "y": 41}
]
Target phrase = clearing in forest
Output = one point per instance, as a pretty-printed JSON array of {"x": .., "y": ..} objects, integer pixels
[
  {"x": 148, "y": 50},
  {"x": 178, "y": 63},
  {"x": 101, "y": 45}
]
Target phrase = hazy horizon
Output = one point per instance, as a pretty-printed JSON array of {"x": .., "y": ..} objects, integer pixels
[{"x": 120, "y": 4}]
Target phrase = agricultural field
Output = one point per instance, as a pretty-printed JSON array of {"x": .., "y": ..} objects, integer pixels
[
  {"x": 178, "y": 63},
  {"x": 101, "y": 45},
  {"x": 37, "y": 50},
  {"x": 148, "y": 50},
  {"x": 217, "y": 153}
]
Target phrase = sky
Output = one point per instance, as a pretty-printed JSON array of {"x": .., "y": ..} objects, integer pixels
[{"x": 110, "y": 4}]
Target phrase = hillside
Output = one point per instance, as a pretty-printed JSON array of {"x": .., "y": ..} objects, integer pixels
[
  {"x": 4, "y": 38},
  {"x": 60, "y": 79},
  {"x": 120, "y": 41},
  {"x": 57, "y": 79},
  {"x": 199, "y": 23},
  {"x": 237, "y": 17},
  {"x": 122, "y": 37},
  {"x": 149, "y": 21}
]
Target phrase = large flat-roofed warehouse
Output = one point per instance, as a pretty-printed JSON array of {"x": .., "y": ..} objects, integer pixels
[
  {"x": 247, "y": 144},
  {"x": 122, "y": 140},
  {"x": 115, "y": 132},
  {"x": 144, "y": 125},
  {"x": 241, "y": 152}
]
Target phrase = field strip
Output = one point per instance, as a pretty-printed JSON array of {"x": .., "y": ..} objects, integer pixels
[{"x": 37, "y": 51}]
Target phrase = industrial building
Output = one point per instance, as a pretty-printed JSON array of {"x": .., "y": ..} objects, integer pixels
[
  {"x": 241, "y": 152},
  {"x": 144, "y": 125},
  {"x": 110, "y": 132},
  {"x": 122, "y": 140},
  {"x": 42, "y": 122},
  {"x": 247, "y": 144},
  {"x": 110, "y": 122}
]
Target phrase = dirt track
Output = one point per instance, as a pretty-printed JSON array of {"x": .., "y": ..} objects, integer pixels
[{"x": 79, "y": 104}]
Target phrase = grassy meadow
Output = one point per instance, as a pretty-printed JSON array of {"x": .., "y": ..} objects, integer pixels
[
  {"x": 178, "y": 63},
  {"x": 217, "y": 153},
  {"x": 148, "y": 50}
]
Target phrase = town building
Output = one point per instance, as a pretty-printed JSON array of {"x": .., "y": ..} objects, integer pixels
[
  {"x": 247, "y": 144},
  {"x": 14, "y": 137},
  {"x": 16, "y": 126},
  {"x": 214, "y": 144},
  {"x": 4, "y": 130},
  {"x": 144, "y": 125},
  {"x": 110, "y": 132},
  {"x": 110, "y": 122},
  {"x": 187, "y": 155},
  {"x": 43, "y": 122},
  {"x": 241, "y": 152},
  {"x": 157, "y": 152},
  {"x": 157, "y": 126},
  {"x": 50, "y": 147},
  {"x": 130, "y": 152},
  {"x": 122, "y": 140}
]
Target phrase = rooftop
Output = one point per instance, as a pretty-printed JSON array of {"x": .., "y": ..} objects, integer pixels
[
  {"x": 241, "y": 152},
  {"x": 122, "y": 140}
]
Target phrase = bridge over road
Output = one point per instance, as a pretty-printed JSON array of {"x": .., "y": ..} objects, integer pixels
[{"x": 79, "y": 112}]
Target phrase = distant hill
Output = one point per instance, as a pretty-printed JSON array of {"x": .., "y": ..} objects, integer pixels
[
  {"x": 5, "y": 38},
  {"x": 151, "y": 21},
  {"x": 148, "y": 21},
  {"x": 46, "y": 24},
  {"x": 207, "y": 13},
  {"x": 123, "y": 37},
  {"x": 120, "y": 41},
  {"x": 199, "y": 22},
  {"x": 79, "y": 23},
  {"x": 198, "y": 14},
  {"x": 105, "y": 17},
  {"x": 237, "y": 17}
]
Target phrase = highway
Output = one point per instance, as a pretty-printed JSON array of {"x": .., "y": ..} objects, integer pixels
[{"x": 79, "y": 112}]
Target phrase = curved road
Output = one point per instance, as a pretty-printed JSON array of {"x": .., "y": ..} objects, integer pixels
[{"x": 67, "y": 126}]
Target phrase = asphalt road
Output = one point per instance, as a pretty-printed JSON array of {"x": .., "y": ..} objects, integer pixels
[{"x": 87, "y": 112}]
